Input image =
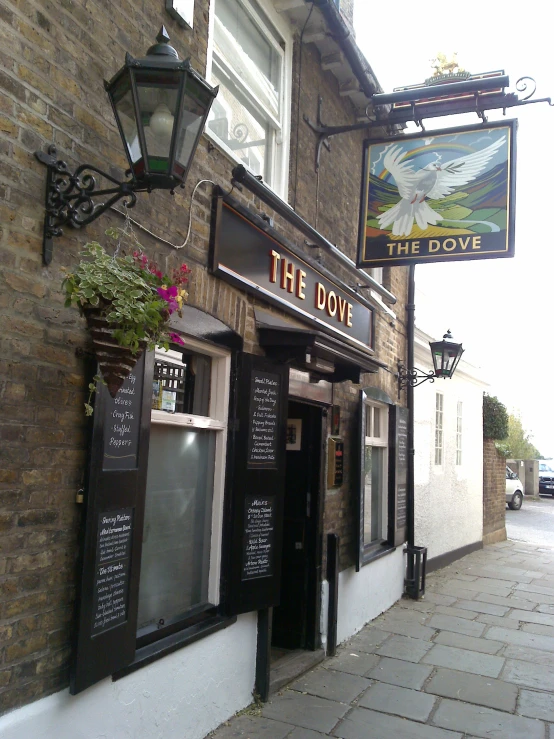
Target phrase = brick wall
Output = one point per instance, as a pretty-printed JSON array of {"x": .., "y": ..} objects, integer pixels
[
  {"x": 494, "y": 493},
  {"x": 54, "y": 56}
]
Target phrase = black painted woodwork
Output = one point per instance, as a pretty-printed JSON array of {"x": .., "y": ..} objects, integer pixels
[
  {"x": 294, "y": 619},
  {"x": 253, "y": 483},
  {"x": 397, "y": 530},
  {"x": 398, "y": 471},
  {"x": 116, "y": 486}
]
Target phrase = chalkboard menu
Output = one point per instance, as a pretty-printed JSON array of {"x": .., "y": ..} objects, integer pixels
[
  {"x": 111, "y": 582},
  {"x": 264, "y": 420},
  {"x": 259, "y": 537},
  {"x": 122, "y": 423},
  {"x": 401, "y": 466}
]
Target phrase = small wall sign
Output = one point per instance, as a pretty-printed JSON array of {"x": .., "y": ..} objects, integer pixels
[
  {"x": 182, "y": 11},
  {"x": 335, "y": 462},
  {"x": 294, "y": 434}
]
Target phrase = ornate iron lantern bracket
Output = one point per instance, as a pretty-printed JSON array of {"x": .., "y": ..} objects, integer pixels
[
  {"x": 412, "y": 377},
  {"x": 73, "y": 198}
]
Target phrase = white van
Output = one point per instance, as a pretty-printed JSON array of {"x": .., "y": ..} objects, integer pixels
[{"x": 514, "y": 490}]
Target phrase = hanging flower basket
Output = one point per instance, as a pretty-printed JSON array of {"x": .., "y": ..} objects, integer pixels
[
  {"x": 115, "y": 362},
  {"x": 127, "y": 303}
]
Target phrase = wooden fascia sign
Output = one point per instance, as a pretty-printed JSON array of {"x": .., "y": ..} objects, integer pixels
[
  {"x": 439, "y": 196},
  {"x": 243, "y": 254}
]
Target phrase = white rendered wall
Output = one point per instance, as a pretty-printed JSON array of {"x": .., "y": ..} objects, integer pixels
[
  {"x": 448, "y": 497},
  {"x": 366, "y": 594},
  {"x": 181, "y": 696}
]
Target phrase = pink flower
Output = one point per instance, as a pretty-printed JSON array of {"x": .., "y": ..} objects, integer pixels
[
  {"x": 169, "y": 294},
  {"x": 180, "y": 275},
  {"x": 176, "y": 339}
]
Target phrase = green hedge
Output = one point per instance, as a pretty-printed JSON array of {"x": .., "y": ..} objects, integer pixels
[{"x": 495, "y": 418}]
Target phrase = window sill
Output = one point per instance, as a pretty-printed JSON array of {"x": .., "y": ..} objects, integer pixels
[
  {"x": 152, "y": 652},
  {"x": 376, "y": 551}
]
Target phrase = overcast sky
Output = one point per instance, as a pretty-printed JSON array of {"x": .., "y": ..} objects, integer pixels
[{"x": 502, "y": 310}]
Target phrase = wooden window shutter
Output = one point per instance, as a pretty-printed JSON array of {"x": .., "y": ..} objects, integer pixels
[
  {"x": 398, "y": 474},
  {"x": 256, "y": 482},
  {"x": 361, "y": 484},
  {"x": 111, "y": 536}
]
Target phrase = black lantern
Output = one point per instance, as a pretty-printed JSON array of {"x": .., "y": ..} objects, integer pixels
[
  {"x": 160, "y": 105},
  {"x": 446, "y": 355}
]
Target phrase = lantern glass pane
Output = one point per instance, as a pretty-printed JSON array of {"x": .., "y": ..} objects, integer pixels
[
  {"x": 123, "y": 101},
  {"x": 157, "y": 94},
  {"x": 195, "y": 106}
]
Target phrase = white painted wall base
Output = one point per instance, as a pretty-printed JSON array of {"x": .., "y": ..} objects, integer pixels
[
  {"x": 182, "y": 696},
  {"x": 366, "y": 594}
]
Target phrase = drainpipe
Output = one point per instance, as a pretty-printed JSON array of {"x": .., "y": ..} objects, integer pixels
[{"x": 416, "y": 563}]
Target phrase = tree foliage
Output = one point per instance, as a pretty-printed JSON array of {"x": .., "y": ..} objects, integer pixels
[
  {"x": 518, "y": 444},
  {"x": 495, "y": 418}
]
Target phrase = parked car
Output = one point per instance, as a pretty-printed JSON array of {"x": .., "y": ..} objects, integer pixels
[
  {"x": 514, "y": 490},
  {"x": 546, "y": 479}
]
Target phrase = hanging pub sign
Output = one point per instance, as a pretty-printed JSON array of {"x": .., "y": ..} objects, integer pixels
[{"x": 439, "y": 196}]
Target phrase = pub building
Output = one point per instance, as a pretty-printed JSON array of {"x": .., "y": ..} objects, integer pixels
[{"x": 239, "y": 507}]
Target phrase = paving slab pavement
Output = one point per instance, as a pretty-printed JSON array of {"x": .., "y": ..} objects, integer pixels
[{"x": 474, "y": 659}]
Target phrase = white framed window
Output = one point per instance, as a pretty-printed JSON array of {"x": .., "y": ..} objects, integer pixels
[
  {"x": 181, "y": 553},
  {"x": 459, "y": 433},
  {"x": 439, "y": 434},
  {"x": 375, "y": 472},
  {"x": 250, "y": 58}
]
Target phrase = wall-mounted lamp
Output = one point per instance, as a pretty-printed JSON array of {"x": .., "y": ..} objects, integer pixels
[
  {"x": 446, "y": 354},
  {"x": 160, "y": 105}
]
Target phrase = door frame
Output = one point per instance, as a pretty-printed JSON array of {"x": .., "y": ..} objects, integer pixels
[{"x": 315, "y": 579}]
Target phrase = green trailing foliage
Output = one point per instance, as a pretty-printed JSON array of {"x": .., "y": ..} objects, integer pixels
[
  {"x": 130, "y": 293},
  {"x": 495, "y": 418}
]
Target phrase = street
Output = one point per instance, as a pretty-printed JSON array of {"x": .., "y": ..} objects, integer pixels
[
  {"x": 533, "y": 523},
  {"x": 474, "y": 658}
]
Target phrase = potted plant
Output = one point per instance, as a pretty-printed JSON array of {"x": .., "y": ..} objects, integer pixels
[{"x": 127, "y": 302}]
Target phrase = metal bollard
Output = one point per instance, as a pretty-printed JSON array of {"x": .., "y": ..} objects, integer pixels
[{"x": 414, "y": 582}]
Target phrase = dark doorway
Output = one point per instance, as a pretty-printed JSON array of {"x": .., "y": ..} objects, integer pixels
[{"x": 295, "y": 619}]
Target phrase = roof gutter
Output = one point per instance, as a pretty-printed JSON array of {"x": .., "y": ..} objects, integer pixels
[{"x": 345, "y": 38}]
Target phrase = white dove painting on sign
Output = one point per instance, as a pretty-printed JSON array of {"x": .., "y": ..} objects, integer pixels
[
  {"x": 435, "y": 181},
  {"x": 446, "y": 195}
]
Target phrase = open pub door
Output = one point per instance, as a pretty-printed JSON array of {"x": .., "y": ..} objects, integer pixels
[{"x": 257, "y": 484}]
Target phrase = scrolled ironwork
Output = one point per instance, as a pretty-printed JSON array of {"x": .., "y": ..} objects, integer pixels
[
  {"x": 73, "y": 198},
  {"x": 523, "y": 83},
  {"x": 240, "y": 132},
  {"x": 412, "y": 377}
]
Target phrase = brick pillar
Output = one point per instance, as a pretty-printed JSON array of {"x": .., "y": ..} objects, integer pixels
[{"x": 494, "y": 494}]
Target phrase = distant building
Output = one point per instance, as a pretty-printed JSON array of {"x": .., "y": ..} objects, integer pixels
[{"x": 448, "y": 441}]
